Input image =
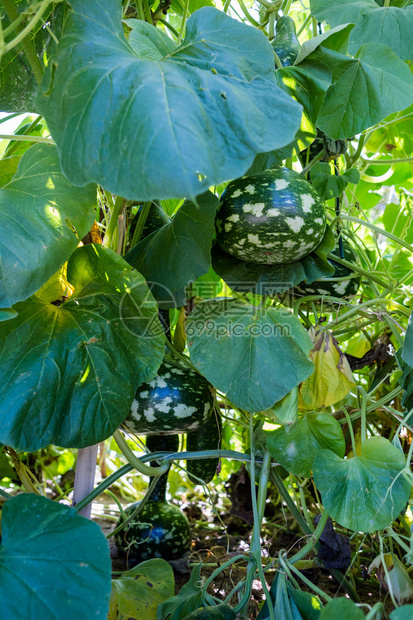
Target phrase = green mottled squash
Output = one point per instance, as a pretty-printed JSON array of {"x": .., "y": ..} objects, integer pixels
[
  {"x": 271, "y": 218},
  {"x": 206, "y": 437},
  {"x": 177, "y": 400},
  {"x": 156, "y": 218},
  {"x": 286, "y": 44},
  {"x": 331, "y": 286},
  {"x": 160, "y": 530}
]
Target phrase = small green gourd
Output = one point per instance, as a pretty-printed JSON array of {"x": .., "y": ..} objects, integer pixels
[
  {"x": 160, "y": 530},
  {"x": 286, "y": 44},
  {"x": 206, "y": 437}
]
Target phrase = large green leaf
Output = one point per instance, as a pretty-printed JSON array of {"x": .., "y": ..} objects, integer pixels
[
  {"x": 53, "y": 563},
  {"x": 42, "y": 218},
  {"x": 149, "y": 120},
  {"x": 68, "y": 373},
  {"x": 271, "y": 279},
  {"x": 297, "y": 449},
  {"x": 256, "y": 356},
  {"x": 180, "y": 251},
  {"x": 391, "y": 26},
  {"x": 405, "y": 612},
  {"x": 365, "y": 89},
  {"x": 364, "y": 493},
  {"x": 138, "y": 592}
]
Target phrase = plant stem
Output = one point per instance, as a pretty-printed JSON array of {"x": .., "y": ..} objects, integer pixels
[
  {"x": 307, "y": 581},
  {"x": 168, "y": 25},
  {"x": 139, "y": 7},
  {"x": 26, "y": 44},
  {"x": 376, "y": 612},
  {"x": 85, "y": 477},
  {"x": 167, "y": 458},
  {"x": 143, "y": 216},
  {"x": 277, "y": 60},
  {"x": 12, "y": 27},
  {"x": 30, "y": 128},
  {"x": 137, "y": 510},
  {"x": 147, "y": 12},
  {"x": 247, "y": 15},
  {"x": 119, "y": 204},
  {"x": 23, "y": 138},
  {"x": 313, "y": 162},
  {"x": 309, "y": 546},
  {"x": 220, "y": 569},
  {"x": 359, "y": 149},
  {"x": 271, "y": 33},
  {"x": 387, "y": 162},
  {"x": 376, "y": 229},
  {"x": 24, "y": 32},
  {"x": 305, "y": 24},
  {"x": 101, "y": 488},
  {"x": 360, "y": 270},
  {"x": 351, "y": 431},
  {"x": 275, "y": 477},
  {"x": 183, "y": 22},
  {"x": 258, "y": 512},
  {"x": 286, "y": 7},
  {"x": 372, "y": 302},
  {"x": 397, "y": 538},
  {"x": 146, "y": 470},
  {"x": 364, "y": 397}
]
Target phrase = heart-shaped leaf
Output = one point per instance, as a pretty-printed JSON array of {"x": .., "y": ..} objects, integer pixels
[
  {"x": 330, "y": 185},
  {"x": 364, "y": 493},
  {"x": 365, "y": 89},
  {"x": 297, "y": 449},
  {"x": 53, "y": 563},
  {"x": 390, "y": 25},
  {"x": 42, "y": 219},
  {"x": 178, "y": 119},
  {"x": 70, "y": 371},
  {"x": 256, "y": 356},
  {"x": 180, "y": 251}
]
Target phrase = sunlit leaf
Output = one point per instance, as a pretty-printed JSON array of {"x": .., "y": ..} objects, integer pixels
[
  {"x": 179, "y": 118},
  {"x": 364, "y": 493},
  {"x": 297, "y": 449},
  {"x": 256, "y": 356},
  {"x": 70, "y": 371},
  {"x": 42, "y": 219}
]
